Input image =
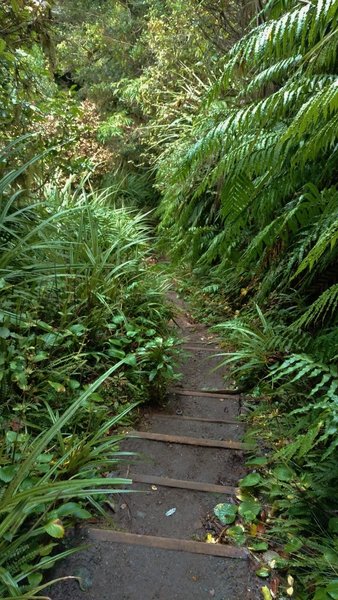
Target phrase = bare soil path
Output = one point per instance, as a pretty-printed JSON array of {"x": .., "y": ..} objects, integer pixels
[{"x": 190, "y": 459}]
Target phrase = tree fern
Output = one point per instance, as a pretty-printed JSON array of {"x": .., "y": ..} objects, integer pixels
[
  {"x": 322, "y": 309},
  {"x": 262, "y": 168},
  {"x": 254, "y": 181},
  {"x": 326, "y": 241}
]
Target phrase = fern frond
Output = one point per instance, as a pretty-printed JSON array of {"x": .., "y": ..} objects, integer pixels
[
  {"x": 302, "y": 366},
  {"x": 299, "y": 27},
  {"x": 318, "y": 108},
  {"x": 327, "y": 240},
  {"x": 325, "y": 306},
  {"x": 275, "y": 73}
]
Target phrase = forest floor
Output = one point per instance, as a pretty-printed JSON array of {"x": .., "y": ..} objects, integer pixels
[{"x": 156, "y": 549}]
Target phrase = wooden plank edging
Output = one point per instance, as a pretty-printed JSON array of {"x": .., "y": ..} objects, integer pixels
[
  {"x": 198, "y": 419},
  {"x": 190, "y": 441},
  {"x": 205, "y": 348},
  {"x": 198, "y": 486},
  {"x": 204, "y": 394},
  {"x": 178, "y": 545}
]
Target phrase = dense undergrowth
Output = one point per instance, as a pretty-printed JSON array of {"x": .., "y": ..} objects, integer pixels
[
  {"x": 228, "y": 116},
  {"x": 250, "y": 206},
  {"x": 288, "y": 504},
  {"x": 83, "y": 338}
]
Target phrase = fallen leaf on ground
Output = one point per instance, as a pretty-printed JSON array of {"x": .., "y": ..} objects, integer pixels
[
  {"x": 266, "y": 593},
  {"x": 260, "y": 528},
  {"x": 263, "y": 572},
  {"x": 274, "y": 585}
]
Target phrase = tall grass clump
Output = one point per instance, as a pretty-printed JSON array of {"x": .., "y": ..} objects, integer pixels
[{"x": 83, "y": 339}]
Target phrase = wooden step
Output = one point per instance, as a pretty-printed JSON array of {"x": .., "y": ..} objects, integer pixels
[
  {"x": 190, "y": 441},
  {"x": 205, "y": 348},
  {"x": 211, "y": 342},
  {"x": 198, "y": 419},
  {"x": 183, "y": 484},
  {"x": 203, "y": 394},
  {"x": 178, "y": 545}
]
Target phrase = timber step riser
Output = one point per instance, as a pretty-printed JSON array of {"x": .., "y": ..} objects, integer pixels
[
  {"x": 226, "y": 395},
  {"x": 201, "y": 349},
  {"x": 190, "y": 441},
  {"x": 177, "y": 545},
  {"x": 198, "y": 419},
  {"x": 183, "y": 484}
]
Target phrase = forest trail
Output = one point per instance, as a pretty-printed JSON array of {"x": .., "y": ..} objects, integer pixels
[{"x": 190, "y": 459}]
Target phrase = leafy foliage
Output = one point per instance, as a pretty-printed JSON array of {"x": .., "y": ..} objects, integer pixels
[
  {"x": 250, "y": 207},
  {"x": 235, "y": 108},
  {"x": 83, "y": 338},
  {"x": 253, "y": 172}
]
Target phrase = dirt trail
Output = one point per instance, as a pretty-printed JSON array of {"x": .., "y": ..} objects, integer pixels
[{"x": 157, "y": 552}]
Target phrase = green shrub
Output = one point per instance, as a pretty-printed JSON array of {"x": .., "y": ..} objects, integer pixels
[{"x": 83, "y": 338}]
